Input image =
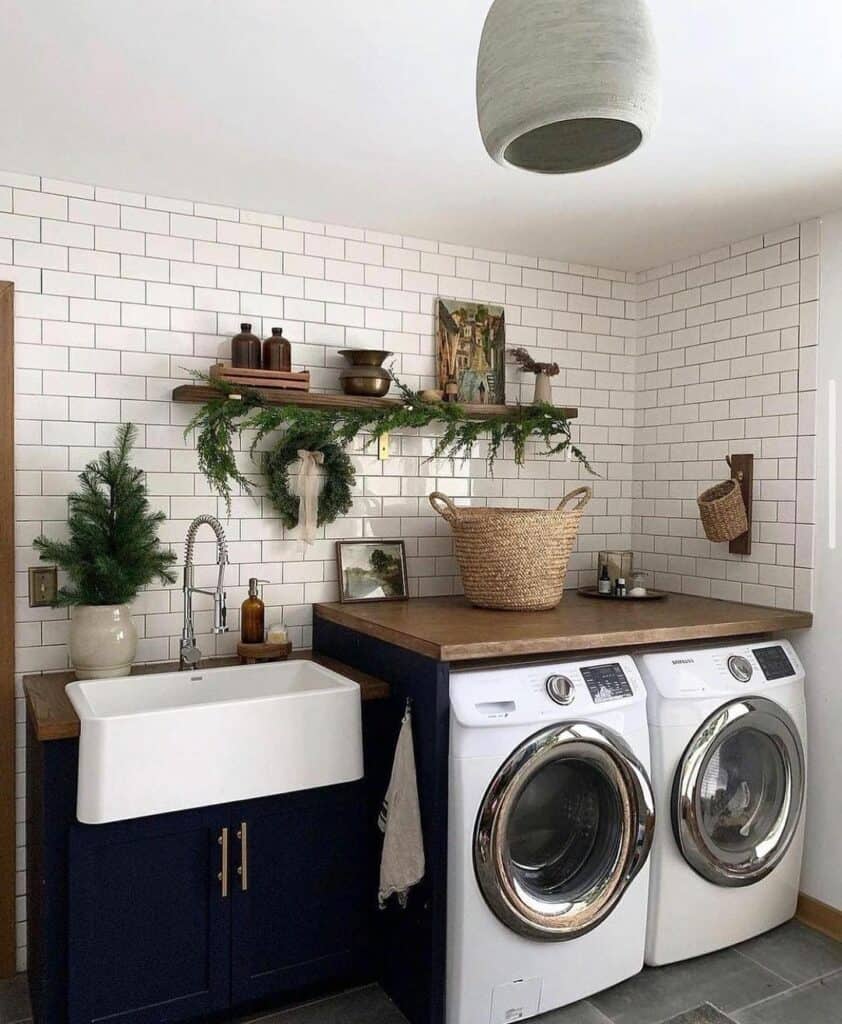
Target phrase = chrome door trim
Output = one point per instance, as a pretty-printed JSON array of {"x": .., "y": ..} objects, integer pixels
[
  {"x": 708, "y": 860},
  {"x": 523, "y": 911}
]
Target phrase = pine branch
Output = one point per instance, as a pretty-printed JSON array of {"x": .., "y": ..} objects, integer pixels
[{"x": 113, "y": 548}]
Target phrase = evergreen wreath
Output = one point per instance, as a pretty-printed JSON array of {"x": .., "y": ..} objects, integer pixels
[{"x": 335, "y": 497}]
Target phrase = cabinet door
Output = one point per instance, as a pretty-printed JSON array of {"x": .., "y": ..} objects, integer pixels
[
  {"x": 149, "y": 928},
  {"x": 299, "y": 915}
]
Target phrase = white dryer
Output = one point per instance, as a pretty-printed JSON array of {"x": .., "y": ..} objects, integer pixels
[
  {"x": 550, "y": 823},
  {"x": 727, "y": 727}
]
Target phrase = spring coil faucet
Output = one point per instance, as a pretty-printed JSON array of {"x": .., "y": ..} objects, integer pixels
[{"x": 189, "y": 654}]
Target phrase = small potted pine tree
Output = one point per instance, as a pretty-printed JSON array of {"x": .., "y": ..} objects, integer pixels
[{"x": 112, "y": 551}]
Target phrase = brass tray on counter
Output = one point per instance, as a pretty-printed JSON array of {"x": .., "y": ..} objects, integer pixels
[{"x": 650, "y": 595}]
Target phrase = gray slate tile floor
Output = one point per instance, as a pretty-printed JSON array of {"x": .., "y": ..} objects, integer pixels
[{"x": 792, "y": 975}]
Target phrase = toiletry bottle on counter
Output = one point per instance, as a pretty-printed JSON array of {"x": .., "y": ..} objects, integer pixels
[
  {"x": 253, "y": 615},
  {"x": 620, "y": 587},
  {"x": 604, "y": 583}
]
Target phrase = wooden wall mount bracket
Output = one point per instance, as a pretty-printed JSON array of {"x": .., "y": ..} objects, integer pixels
[{"x": 742, "y": 470}]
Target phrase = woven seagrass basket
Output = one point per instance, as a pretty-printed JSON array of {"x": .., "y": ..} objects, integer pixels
[
  {"x": 512, "y": 558},
  {"x": 723, "y": 511}
]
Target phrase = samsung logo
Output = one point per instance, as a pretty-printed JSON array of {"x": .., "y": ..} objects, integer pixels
[{"x": 684, "y": 661}]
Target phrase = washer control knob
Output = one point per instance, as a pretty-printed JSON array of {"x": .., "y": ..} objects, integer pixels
[
  {"x": 560, "y": 689},
  {"x": 740, "y": 668}
]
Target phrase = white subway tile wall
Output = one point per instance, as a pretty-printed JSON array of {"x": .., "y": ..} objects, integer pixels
[
  {"x": 119, "y": 296},
  {"x": 728, "y": 365}
]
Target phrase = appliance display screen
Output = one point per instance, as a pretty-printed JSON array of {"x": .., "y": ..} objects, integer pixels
[
  {"x": 774, "y": 662},
  {"x": 606, "y": 682}
]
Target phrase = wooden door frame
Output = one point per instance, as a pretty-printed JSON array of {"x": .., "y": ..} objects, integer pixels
[{"x": 7, "y": 630}]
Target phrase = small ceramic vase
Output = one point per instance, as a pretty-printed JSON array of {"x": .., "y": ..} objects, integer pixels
[{"x": 543, "y": 389}]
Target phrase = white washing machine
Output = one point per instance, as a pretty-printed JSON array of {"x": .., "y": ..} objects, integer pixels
[
  {"x": 727, "y": 727},
  {"x": 550, "y": 825}
]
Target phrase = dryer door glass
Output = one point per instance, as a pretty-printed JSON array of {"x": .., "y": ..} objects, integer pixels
[
  {"x": 739, "y": 792},
  {"x": 564, "y": 827}
]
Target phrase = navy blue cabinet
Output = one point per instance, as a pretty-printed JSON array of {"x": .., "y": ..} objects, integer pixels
[
  {"x": 139, "y": 922},
  {"x": 298, "y": 906},
  {"x": 184, "y": 915},
  {"x": 148, "y": 925}
]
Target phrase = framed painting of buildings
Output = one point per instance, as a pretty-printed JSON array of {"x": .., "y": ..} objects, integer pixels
[{"x": 471, "y": 351}]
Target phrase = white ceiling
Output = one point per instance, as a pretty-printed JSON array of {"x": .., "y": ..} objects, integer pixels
[{"x": 362, "y": 113}]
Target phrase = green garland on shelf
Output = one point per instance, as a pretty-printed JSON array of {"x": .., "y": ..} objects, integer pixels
[{"x": 219, "y": 419}]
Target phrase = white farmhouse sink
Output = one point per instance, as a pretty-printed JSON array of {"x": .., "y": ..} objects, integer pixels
[{"x": 174, "y": 740}]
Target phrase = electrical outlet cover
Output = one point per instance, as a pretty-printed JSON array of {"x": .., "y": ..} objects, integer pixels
[{"x": 43, "y": 585}]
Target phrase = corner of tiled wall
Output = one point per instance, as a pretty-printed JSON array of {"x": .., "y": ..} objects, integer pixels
[{"x": 727, "y": 364}]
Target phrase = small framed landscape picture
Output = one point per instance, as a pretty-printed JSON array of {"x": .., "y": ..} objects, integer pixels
[{"x": 371, "y": 570}]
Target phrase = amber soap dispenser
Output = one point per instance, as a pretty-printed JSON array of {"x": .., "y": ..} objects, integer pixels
[{"x": 253, "y": 615}]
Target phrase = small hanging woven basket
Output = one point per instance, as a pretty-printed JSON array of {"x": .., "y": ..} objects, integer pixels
[
  {"x": 723, "y": 511},
  {"x": 512, "y": 558}
]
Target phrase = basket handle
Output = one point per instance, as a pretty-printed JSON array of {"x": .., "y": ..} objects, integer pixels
[
  {"x": 444, "y": 506},
  {"x": 586, "y": 494}
]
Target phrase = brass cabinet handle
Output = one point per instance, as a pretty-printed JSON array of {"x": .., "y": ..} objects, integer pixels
[
  {"x": 223, "y": 874},
  {"x": 243, "y": 869}
]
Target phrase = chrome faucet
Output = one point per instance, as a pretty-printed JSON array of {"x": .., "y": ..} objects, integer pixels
[{"x": 189, "y": 654}]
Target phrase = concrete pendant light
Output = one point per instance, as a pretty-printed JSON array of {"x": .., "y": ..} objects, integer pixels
[{"x": 566, "y": 85}]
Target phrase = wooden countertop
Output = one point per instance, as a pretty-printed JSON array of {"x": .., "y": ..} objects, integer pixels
[
  {"x": 54, "y": 718},
  {"x": 449, "y": 629}
]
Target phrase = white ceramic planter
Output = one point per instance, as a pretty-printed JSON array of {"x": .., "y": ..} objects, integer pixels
[{"x": 103, "y": 641}]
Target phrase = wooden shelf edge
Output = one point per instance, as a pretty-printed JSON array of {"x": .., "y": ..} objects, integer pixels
[{"x": 198, "y": 394}]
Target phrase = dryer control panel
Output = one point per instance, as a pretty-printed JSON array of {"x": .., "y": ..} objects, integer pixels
[
  {"x": 722, "y": 671},
  {"x": 773, "y": 662}
]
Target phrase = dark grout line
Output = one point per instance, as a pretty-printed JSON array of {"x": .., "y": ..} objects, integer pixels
[
  {"x": 689, "y": 1009},
  {"x": 602, "y": 1016},
  {"x": 757, "y": 963},
  {"x": 792, "y": 989}
]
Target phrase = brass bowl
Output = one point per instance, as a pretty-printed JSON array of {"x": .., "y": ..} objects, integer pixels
[
  {"x": 371, "y": 387},
  {"x": 364, "y": 356}
]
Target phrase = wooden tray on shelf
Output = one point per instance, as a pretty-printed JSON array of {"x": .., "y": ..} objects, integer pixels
[
  {"x": 650, "y": 595},
  {"x": 284, "y": 380}
]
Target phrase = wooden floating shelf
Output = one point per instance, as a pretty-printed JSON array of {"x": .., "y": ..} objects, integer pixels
[{"x": 198, "y": 394}]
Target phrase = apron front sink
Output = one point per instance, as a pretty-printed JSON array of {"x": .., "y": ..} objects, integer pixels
[{"x": 175, "y": 740}]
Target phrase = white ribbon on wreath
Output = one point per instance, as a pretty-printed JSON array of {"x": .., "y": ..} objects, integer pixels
[{"x": 308, "y": 485}]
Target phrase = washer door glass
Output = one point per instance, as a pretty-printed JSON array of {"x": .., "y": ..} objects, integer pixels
[
  {"x": 563, "y": 828},
  {"x": 739, "y": 792}
]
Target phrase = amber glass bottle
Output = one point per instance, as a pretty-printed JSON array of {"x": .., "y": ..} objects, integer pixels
[
  {"x": 245, "y": 349},
  {"x": 277, "y": 354},
  {"x": 252, "y": 616}
]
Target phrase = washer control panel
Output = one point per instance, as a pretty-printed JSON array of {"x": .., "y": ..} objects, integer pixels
[
  {"x": 740, "y": 668},
  {"x": 560, "y": 689},
  {"x": 773, "y": 662},
  {"x": 547, "y": 691},
  {"x": 606, "y": 682}
]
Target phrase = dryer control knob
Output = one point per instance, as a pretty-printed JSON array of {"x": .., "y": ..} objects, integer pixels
[
  {"x": 740, "y": 668},
  {"x": 560, "y": 689}
]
